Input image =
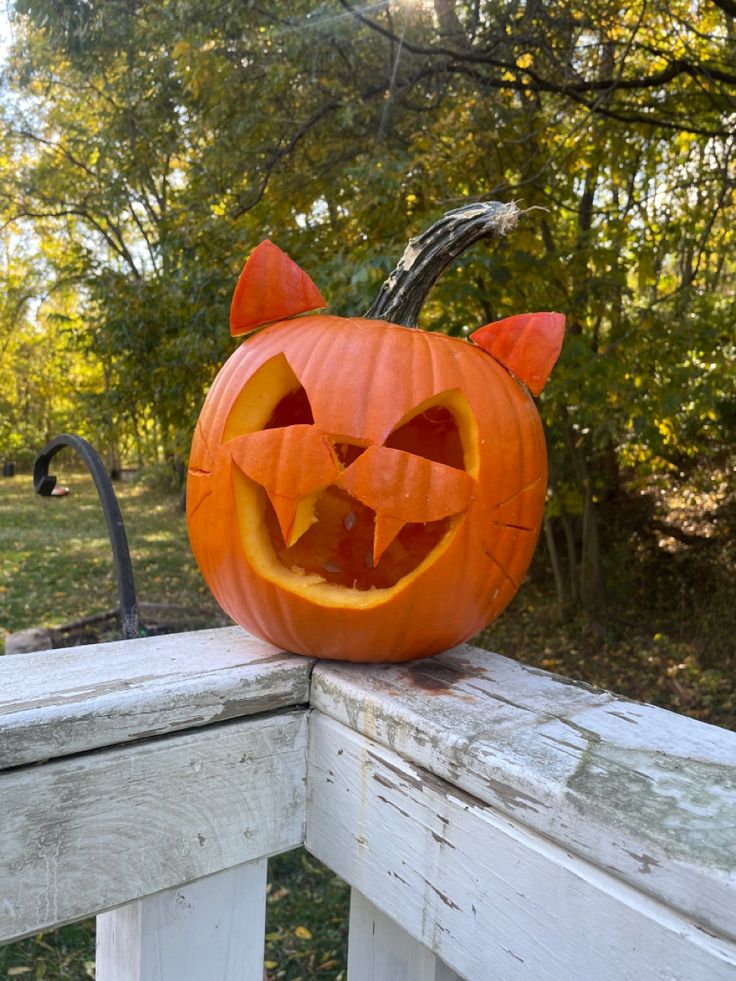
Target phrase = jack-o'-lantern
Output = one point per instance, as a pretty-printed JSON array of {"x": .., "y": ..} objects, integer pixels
[{"x": 362, "y": 490}]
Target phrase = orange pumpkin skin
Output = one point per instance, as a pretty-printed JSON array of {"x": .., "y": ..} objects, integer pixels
[{"x": 360, "y": 390}]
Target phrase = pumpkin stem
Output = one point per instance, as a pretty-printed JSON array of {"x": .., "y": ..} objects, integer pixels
[{"x": 429, "y": 254}]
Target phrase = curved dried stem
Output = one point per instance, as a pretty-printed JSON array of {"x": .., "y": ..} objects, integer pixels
[{"x": 429, "y": 254}]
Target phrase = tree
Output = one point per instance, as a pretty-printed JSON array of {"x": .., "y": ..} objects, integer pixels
[{"x": 149, "y": 146}]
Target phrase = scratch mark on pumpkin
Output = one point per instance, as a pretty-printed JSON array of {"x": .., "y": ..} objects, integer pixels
[
  {"x": 522, "y": 490},
  {"x": 504, "y": 571},
  {"x": 506, "y": 524},
  {"x": 199, "y": 432},
  {"x": 199, "y": 503}
]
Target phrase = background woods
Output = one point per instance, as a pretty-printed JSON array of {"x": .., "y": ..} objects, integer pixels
[{"x": 146, "y": 147}]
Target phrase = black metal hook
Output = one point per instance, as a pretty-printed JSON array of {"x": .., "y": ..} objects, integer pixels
[{"x": 44, "y": 483}]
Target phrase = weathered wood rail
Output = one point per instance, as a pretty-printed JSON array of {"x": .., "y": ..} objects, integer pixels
[{"x": 495, "y": 822}]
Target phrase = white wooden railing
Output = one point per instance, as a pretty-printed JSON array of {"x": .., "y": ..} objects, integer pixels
[{"x": 495, "y": 822}]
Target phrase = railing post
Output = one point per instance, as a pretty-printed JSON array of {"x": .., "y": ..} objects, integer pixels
[
  {"x": 379, "y": 948},
  {"x": 211, "y": 928}
]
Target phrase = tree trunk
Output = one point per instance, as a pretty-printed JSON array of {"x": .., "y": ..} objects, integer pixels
[
  {"x": 572, "y": 556},
  {"x": 555, "y": 563}
]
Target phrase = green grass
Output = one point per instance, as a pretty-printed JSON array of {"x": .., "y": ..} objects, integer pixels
[
  {"x": 306, "y": 931},
  {"x": 56, "y": 560},
  {"x": 68, "y": 953}
]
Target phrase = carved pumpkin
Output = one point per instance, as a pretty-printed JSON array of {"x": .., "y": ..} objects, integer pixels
[{"x": 362, "y": 490}]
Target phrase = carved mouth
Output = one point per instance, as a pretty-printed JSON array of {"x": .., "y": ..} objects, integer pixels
[
  {"x": 333, "y": 570},
  {"x": 338, "y": 547}
]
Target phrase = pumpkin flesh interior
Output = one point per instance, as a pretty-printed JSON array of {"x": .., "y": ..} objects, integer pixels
[
  {"x": 256, "y": 405},
  {"x": 257, "y": 532}
]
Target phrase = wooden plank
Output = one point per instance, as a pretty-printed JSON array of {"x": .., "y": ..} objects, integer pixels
[
  {"x": 489, "y": 896},
  {"x": 641, "y": 792},
  {"x": 378, "y": 948},
  {"x": 211, "y": 928},
  {"x": 57, "y": 703},
  {"x": 84, "y": 834}
]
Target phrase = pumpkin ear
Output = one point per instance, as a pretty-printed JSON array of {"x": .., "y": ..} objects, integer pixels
[
  {"x": 527, "y": 344},
  {"x": 271, "y": 287}
]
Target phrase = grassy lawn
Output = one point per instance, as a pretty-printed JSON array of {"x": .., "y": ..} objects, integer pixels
[
  {"x": 306, "y": 931},
  {"x": 56, "y": 561}
]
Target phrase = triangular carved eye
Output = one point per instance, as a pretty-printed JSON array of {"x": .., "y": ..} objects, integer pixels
[
  {"x": 433, "y": 434},
  {"x": 273, "y": 397},
  {"x": 337, "y": 506},
  {"x": 294, "y": 409},
  {"x": 441, "y": 429}
]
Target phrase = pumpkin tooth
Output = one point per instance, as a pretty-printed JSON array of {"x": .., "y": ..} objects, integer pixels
[
  {"x": 386, "y": 529},
  {"x": 285, "y": 508},
  {"x": 294, "y": 517},
  {"x": 306, "y": 516}
]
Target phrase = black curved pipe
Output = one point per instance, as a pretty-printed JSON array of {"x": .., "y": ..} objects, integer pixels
[{"x": 44, "y": 483}]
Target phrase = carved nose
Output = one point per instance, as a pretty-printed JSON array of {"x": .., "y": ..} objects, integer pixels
[{"x": 346, "y": 451}]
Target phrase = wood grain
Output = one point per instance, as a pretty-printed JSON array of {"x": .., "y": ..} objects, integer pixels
[
  {"x": 514, "y": 823},
  {"x": 379, "y": 948},
  {"x": 60, "y": 702},
  {"x": 488, "y": 896},
  {"x": 85, "y": 834},
  {"x": 212, "y": 928},
  {"x": 638, "y": 791}
]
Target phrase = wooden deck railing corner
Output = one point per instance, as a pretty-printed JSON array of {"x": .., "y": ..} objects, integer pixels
[{"x": 494, "y": 821}]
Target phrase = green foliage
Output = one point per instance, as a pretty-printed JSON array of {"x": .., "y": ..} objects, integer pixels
[
  {"x": 67, "y": 954},
  {"x": 147, "y": 148}
]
